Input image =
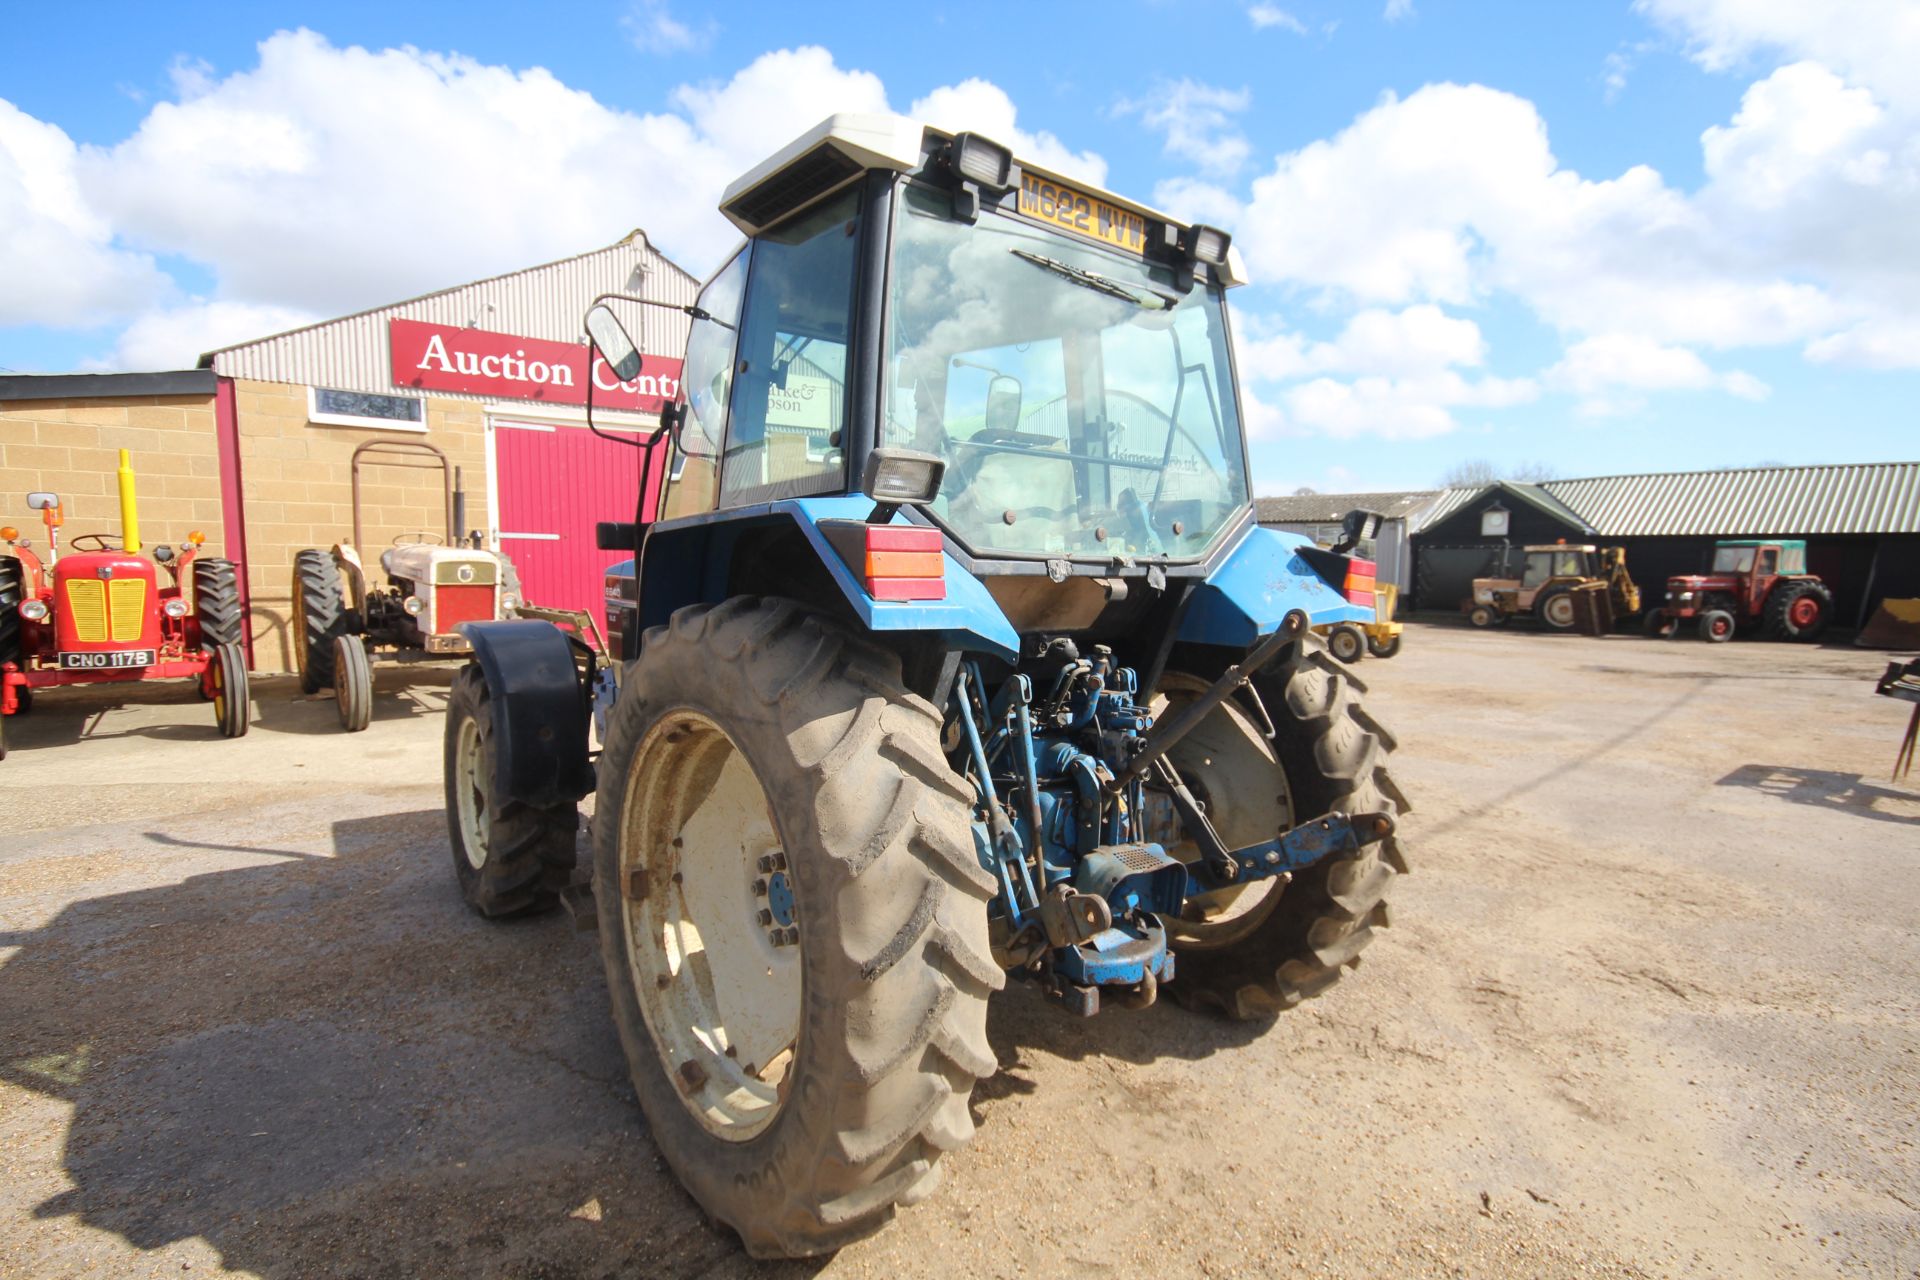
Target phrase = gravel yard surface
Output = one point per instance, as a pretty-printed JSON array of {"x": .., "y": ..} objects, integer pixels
[{"x": 1648, "y": 1008}]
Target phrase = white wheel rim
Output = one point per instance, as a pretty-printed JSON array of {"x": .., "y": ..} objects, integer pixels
[
  {"x": 1229, "y": 761},
  {"x": 470, "y": 794},
  {"x": 720, "y": 991},
  {"x": 1560, "y": 611}
]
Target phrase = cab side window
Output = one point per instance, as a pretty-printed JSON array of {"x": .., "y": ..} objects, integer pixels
[
  {"x": 706, "y": 384},
  {"x": 1769, "y": 562},
  {"x": 788, "y": 422},
  {"x": 1539, "y": 569}
]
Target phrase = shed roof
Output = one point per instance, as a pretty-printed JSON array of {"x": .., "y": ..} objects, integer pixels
[
  {"x": 545, "y": 301},
  {"x": 1329, "y": 508},
  {"x": 1874, "y": 497},
  {"x": 1537, "y": 496}
]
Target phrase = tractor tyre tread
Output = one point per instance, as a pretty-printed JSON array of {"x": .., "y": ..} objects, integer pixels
[
  {"x": 13, "y": 589},
  {"x": 1334, "y": 754},
  {"x": 899, "y": 967},
  {"x": 1780, "y": 627},
  {"x": 321, "y": 615},
  {"x": 234, "y": 712},
  {"x": 216, "y": 601},
  {"x": 531, "y": 848}
]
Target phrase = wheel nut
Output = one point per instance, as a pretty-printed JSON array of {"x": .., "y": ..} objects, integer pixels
[
  {"x": 759, "y": 888},
  {"x": 766, "y": 917},
  {"x": 1273, "y": 858}
]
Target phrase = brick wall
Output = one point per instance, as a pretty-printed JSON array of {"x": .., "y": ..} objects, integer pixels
[
  {"x": 297, "y": 481},
  {"x": 72, "y": 448}
]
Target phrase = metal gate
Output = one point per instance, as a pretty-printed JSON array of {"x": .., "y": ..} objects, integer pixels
[{"x": 553, "y": 483}]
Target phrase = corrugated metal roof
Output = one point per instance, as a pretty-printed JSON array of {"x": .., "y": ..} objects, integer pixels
[
  {"x": 546, "y": 301},
  {"x": 1877, "y": 497},
  {"x": 1538, "y": 496},
  {"x": 1328, "y": 508}
]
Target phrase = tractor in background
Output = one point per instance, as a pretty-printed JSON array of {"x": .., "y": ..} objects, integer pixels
[
  {"x": 1549, "y": 585},
  {"x": 955, "y": 657},
  {"x": 435, "y": 585},
  {"x": 99, "y": 614},
  {"x": 1754, "y": 584}
]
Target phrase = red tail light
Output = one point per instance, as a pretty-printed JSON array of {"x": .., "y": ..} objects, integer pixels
[
  {"x": 1360, "y": 580},
  {"x": 904, "y": 562}
]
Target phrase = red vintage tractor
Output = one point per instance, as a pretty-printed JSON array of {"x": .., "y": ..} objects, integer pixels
[
  {"x": 1761, "y": 582},
  {"x": 98, "y": 614}
]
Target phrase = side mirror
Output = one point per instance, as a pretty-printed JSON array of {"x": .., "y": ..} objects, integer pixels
[
  {"x": 1003, "y": 403},
  {"x": 616, "y": 347},
  {"x": 43, "y": 501}
]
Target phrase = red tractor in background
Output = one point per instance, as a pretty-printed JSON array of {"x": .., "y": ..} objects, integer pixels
[
  {"x": 98, "y": 614},
  {"x": 1756, "y": 581}
]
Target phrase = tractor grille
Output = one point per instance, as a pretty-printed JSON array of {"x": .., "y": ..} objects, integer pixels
[
  {"x": 455, "y": 605},
  {"x": 129, "y": 600},
  {"x": 87, "y": 606}
]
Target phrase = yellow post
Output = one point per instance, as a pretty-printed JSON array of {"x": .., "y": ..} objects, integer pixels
[{"x": 129, "y": 512}]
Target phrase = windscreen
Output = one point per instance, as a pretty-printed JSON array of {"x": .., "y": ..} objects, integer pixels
[
  {"x": 1084, "y": 406},
  {"x": 1732, "y": 559}
]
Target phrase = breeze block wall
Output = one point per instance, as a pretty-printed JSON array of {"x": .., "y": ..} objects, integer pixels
[
  {"x": 71, "y": 447},
  {"x": 297, "y": 479}
]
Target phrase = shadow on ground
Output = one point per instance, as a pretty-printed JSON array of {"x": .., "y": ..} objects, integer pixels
[
  {"x": 1825, "y": 789},
  {"x": 325, "y": 1065}
]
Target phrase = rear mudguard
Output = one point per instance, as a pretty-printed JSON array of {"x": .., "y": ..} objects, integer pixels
[
  {"x": 539, "y": 711},
  {"x": 684, "y": 563},
  {"x": 1262, "y": 580}
]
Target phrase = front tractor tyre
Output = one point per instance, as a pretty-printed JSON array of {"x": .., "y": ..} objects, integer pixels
[
  {"x": 352, "y": 683},
  {"x": 1555, "y": 608},
  {"x": 1716, "y": 626},
  {"x": 216, "y": 601},
  {"x": 1799, "y": 611},
  {"x": 1482, "y": 616},
  {"x": 13, "y": 586},
  {"x": 226, "y": 684},
  {"x": 319, "y": 618},
  {"x": 793, "y": 922},
  {"x": 511, "y": 859},
  {"x": 1347, "y": 642},
  {"x": 1252, "y": 950}
]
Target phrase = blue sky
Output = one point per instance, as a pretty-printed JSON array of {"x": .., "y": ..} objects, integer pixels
[{"x": 1599, "y": 237}]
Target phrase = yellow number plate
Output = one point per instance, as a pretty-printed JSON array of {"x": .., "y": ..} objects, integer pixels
[{"x": 1061, "y": 206}]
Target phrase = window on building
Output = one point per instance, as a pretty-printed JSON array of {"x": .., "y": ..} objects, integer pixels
[{"x": 330, "y": 407}]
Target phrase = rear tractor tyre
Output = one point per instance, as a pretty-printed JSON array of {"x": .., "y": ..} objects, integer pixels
[
  {"x": 1347, "y": 642},
  {"x": 771, "y": 789},
  {"x": 216, "y": 601},
  {"x": 227, "y": 678},
  {"x": 511, "y": 859},
  {"x": 1716, "y": 626},
  {"x": 1383, "y": 648},
  {"x": 1555, "y": 608},
  {"x": 1329, "y": 753},
  {"x": 319, "y": 618},
  {"x": 1482, "y": 616},
  {"x": 1799, "y": 611},
  {"x": 13, "y": 590},
  {"x": 352, "y": 683}
]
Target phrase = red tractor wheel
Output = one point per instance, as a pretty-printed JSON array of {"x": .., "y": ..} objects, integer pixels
[
  {"x": 1716, "y": 626},
  {"x": 1799, "y": 611}
]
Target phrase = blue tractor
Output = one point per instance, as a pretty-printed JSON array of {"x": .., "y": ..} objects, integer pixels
[{"x": 953, "y": 655}]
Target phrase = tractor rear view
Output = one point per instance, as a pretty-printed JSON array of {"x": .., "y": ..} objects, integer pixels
[
  {"x": 100, "y": 613},
  {"x": 955, "y": 657}
]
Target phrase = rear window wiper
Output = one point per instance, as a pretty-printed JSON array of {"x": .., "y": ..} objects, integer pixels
[{"x": 1154, "y": 301}]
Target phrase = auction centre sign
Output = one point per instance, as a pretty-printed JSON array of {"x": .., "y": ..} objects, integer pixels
[{"x": 439, "y": 357}]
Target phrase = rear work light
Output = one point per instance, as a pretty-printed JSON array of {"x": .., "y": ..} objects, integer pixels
[
  {"x": 904, "y": 562},
  {"x": 1360, "y": 582}
]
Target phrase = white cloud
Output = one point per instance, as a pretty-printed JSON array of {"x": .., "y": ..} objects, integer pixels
[
  {"x": 984, "y": 106},
  {"x": 1600, "y": 368},
  {"x": 1873, "y": 344},
  {"x": 1264, "y": 15},
  {"x": 1398, "y": 10},
  {"x": 175, "y": 337},
  {"x": 326, "y": 179},
  {"x": 1197, "y": 121},
  {"x": 59, "y": 263},
  {"x": 652, "y": 28},
  {"x": 1875, "y": 43},
  {"x": 1412, "y": 408},
  {"x": 1197, "y": 200}
]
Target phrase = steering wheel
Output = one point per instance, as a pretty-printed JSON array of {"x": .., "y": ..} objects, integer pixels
[
  {"x": 425, "y": 538},
  {"x": 98, "y": 541}
]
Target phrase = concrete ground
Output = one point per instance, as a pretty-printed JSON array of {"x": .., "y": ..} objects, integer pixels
[{"x": 1648, "y": 1008}]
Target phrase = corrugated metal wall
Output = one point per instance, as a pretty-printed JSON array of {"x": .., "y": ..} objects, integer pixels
[
  {"x": 539, "y": 302},
  {"x": 1881, "y": 497}
]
